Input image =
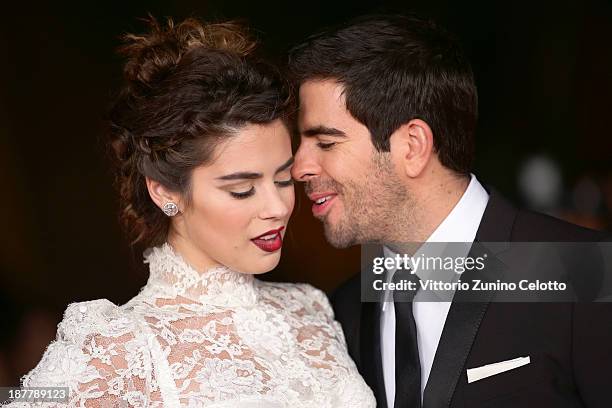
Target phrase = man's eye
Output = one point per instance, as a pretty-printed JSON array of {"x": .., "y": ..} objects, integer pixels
[
  {"x": 244, "y": 194},
  {"x": 325, "y": 146}
]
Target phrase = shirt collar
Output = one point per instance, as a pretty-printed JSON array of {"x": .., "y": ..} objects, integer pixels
[
  {"x": 460, "y": 225},
  {"x": 462, "y": 222}
]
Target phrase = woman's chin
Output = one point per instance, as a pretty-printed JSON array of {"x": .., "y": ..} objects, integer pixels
[{"x": 261, "y": 265}]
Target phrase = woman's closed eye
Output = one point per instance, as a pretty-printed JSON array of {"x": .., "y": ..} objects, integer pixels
[
  {"x": 251, "y": 191},
  {"x": 284, "y": 183},
  {"x": 243, "y": 194}
]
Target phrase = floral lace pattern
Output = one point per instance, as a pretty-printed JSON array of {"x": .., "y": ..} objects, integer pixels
[{"x": 216, "y": 339}]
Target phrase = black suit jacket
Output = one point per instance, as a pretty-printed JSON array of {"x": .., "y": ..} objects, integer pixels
[{"x": 570, "y": 344}]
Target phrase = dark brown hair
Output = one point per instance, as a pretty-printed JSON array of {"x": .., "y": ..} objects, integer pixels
[
  {"x": 395, "y": 69},
  {"x": 188, "y": 86}
]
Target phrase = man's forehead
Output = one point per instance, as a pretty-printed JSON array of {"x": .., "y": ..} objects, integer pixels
[{"x": 329, "y": 89}]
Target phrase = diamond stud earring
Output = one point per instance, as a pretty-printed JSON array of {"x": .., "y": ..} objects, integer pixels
[{"x": 170, "y": 209}]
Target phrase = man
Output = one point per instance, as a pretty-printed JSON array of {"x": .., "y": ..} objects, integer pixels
[{"x": 388, "y": 110}]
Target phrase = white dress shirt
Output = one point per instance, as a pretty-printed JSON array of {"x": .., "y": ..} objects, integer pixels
[{"x": 460, "y": 225}]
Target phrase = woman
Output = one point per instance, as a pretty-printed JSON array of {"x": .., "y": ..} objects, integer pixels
[{"x": 201, "y": 136}]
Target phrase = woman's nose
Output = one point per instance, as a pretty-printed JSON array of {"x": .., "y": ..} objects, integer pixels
[{"x": 275, "y": 206}]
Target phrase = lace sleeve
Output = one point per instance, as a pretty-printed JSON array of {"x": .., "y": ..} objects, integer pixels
[
  {"x": 330, "y": 351},
  {"x": 319, "y": 303},
  {"x": 99, "y": 356}
]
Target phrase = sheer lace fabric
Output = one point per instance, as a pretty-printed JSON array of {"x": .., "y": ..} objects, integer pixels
[{"x": 216, "y": 339}]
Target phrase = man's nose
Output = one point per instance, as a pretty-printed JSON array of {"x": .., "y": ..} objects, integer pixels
[{"x": 305, "y": 165}]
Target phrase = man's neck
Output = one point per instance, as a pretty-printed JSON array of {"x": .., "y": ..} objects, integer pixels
[{"x": 433, "y": 203}]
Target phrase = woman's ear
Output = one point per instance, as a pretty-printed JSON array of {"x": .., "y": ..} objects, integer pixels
[
  {"x": 412, "y": 147},
  {"x": 160, "y": 195}
]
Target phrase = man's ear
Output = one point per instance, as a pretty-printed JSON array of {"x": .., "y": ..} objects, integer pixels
[
  {"x": 161, "y": 195},
  {"x": 412, "y": 147}
]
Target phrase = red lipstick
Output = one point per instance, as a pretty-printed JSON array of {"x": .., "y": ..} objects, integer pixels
[{"x": 269, "y": 241}]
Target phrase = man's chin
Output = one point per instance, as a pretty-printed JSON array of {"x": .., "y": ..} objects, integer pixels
[{"x": 336, "y": 237}]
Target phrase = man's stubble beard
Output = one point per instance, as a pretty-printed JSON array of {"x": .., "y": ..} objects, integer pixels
[{"x": 375, "y": 210}]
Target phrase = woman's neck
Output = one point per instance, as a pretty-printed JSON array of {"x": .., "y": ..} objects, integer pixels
[{"x": 191, "y": 253}]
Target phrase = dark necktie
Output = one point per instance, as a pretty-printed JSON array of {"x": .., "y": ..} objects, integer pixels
[{"x": 407, "y": 364}]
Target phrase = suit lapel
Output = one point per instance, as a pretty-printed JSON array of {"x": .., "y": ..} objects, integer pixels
[{"x": 467, "y": 310}]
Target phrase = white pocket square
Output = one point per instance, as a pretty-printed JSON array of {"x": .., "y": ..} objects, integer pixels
[{"x": 478, "y": 373}]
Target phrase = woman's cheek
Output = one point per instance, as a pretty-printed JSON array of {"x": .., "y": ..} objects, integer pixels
[{"x": 236, "y": 219}]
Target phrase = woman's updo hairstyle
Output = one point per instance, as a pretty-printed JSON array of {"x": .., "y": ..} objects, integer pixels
[{"x": 187, "y": 87}]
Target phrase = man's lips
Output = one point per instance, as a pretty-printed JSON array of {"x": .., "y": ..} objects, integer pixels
[
  {"x": 269, "y": 241},
  {"x": 322, "y": 202}
]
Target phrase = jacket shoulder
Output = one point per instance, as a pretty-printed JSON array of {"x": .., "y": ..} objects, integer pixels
[{"x": 533, "y": 226}]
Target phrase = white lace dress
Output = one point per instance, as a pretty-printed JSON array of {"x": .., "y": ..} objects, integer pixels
[{"x": 218, "y": 339}]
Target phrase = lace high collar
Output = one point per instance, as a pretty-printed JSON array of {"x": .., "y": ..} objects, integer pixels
[{"x": 171, "y": 276}]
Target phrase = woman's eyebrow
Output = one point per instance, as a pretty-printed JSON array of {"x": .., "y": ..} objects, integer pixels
[
  {"x": 247, "y": 175},
  {"x": 240, "y": 175}
]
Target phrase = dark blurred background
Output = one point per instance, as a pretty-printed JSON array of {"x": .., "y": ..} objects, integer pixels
[{"x": 543, "y": 69}]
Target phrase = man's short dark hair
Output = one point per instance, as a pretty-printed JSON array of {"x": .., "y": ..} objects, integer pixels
[{"x": 395, "y": 69}]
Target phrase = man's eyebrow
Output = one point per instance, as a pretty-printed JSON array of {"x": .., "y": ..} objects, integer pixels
[
  {"x": 322, "y": 130},
  {"x": 284, "y": 166}
]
